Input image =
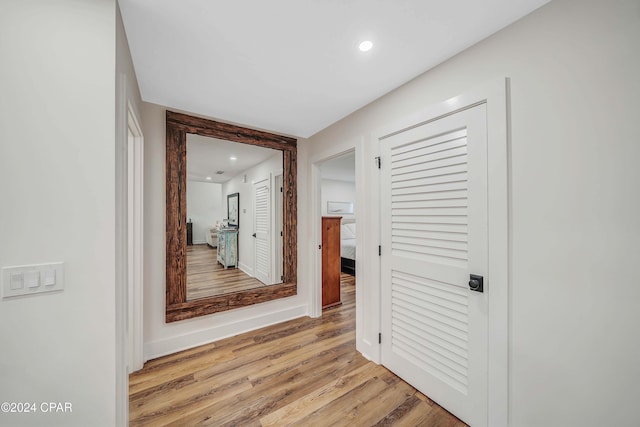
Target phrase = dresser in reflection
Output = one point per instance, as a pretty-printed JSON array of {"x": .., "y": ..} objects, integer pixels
[
  {"x": 228, "y": 247},
  {"x": 330, "y": 261}
]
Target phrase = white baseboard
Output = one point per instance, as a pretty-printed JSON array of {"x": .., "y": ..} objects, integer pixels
[
  {"x": 246, "y": 269},
  {"x": 363, "y": 352},
  {"x": 163, "y": 347}
]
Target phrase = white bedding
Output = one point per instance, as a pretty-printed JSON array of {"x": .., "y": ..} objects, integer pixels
[
  {"x": 348, "y": 248},
  {"x": 348, "y": 240}
]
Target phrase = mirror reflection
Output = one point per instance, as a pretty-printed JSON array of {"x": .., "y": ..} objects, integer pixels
[{"x": 234, "y": 217}]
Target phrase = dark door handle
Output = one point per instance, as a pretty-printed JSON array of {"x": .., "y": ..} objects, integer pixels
[
  {"x": 254, "y": 234},
  {"x": 476, "y": 283}
]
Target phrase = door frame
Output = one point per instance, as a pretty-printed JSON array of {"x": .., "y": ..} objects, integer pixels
[
  {"x": 277, "y": 211},
  {"x": 135, "y": 239},
  {"x": 495, "y": 95},
  {"x": 367, "y": 260},
  {"x": 315, "y": 254},
  {"x": 128, "y": 263}
]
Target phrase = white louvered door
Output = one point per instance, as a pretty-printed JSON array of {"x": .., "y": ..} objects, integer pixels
[
  {"x": 262, "y": 229},
  {"x": 434, "y": 235}
]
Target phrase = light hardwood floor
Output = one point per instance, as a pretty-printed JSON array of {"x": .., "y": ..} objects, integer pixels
[
  {"x": 304, "y": 372},
  {"x": 206, "y": 277}
]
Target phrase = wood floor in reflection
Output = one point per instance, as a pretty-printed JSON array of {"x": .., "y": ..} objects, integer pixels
[
  {"x": 207, "y": 277},
  {"x": 304, "y": 372}
]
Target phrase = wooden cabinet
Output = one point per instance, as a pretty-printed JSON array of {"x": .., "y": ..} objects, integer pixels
[
  {"x": 228, "y": 248},
  {"x": 189, "y": 233},
  {"x": 330, "y": 261}
]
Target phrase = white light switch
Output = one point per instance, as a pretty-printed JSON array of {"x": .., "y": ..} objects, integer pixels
[
  {"x": 29, "y": 279},
  {"x": 17, "y": 281},
  {"x": 49, "y": 277},
  {"x": 32, "y": 279}
]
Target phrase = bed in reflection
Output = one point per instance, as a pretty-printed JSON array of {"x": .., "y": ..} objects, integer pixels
[{"x": 348, "y": 246}]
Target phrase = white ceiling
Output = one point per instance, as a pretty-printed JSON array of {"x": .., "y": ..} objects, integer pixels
[
  {"x": 292, "y": 66},
  {"x": 206, "y": 156}
]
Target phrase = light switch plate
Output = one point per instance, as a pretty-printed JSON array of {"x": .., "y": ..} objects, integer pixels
[{"x": 32, "y": 279}]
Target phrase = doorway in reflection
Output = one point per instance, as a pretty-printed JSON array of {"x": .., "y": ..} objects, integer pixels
[{"x": 234, "y": 217}]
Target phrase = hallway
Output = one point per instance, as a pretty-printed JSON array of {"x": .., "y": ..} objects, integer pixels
[{"x": 302, "y": 372}]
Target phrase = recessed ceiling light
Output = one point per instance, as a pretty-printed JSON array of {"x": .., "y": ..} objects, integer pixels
[
  {"x": 209, "y": 178},
  {"x": 365, "y": 46},
  {"x": 233, "y": 158}
]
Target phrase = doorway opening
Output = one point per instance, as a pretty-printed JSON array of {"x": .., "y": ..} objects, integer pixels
[{"x": 335, "y": 212}]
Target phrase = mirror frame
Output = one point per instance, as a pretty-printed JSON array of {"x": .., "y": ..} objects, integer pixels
[{"x": 178, "y": 125}]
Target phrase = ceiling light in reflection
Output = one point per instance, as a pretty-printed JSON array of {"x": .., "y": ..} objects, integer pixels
[{"x": 365, "y": 46}]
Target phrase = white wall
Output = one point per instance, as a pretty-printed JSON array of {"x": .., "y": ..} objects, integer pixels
[
  {"x": 264, "y": 170},
  {"x": 204, "y": 207},
  {"x": 57, "y": 169},
  {"x": 575, "y": 103},
  {"x": 162, "y": 338},
  {"x": 338, "y": 191}
]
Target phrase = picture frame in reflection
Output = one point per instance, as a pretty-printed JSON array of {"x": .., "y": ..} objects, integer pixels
[
  {"x": 233, "y": 209},
  {"x": 339, "y": 208}
]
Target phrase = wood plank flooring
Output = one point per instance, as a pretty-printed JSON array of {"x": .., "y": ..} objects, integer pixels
[
  {"x": 304, "y": 372},
  {"x": 206, "y": 277}
]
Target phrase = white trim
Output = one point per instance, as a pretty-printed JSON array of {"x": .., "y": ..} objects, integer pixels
[
  {"x": 245, "y": 269},
  {"x": 277, "y": 210},
  {"x": 315, "y": 294},
  {"x": 129, "y": 247},
  {"x": 172, "y": 345},
  {"x": 135, "y": 240},
  {"x": 498, "y": 116},
  {"x": 122, "y": 344},
  {"x": 368, "y": 319},
  {"x": 263, "y": 178},
  {"x": 495, "y": 95}
]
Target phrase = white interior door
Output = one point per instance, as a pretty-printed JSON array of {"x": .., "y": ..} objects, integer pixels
[
  {"x": 262, "y": 230},
  {"x": 434, "y": 235}
]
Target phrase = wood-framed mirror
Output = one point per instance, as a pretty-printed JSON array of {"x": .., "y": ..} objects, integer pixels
[{"x": 178, "y": 125}]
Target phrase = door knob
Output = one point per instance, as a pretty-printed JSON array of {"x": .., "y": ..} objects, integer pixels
[
  {"x": 476, "y": 283},
  {"x": 254, "y": 234}
]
